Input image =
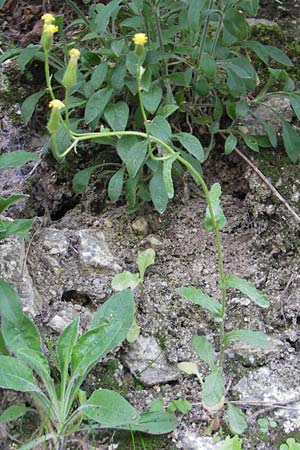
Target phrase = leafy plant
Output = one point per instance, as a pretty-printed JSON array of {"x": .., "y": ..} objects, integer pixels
[
  {"x": 265, "y": 424},
  {"x": 290, "y": 444},
  {"x": 213, "y": 387},
  {"x": 62, "y": 405},
  {"x": 199, "y": 69},
  {"x": 19, "y": 227},
  {"x": 126, "y": 279}
]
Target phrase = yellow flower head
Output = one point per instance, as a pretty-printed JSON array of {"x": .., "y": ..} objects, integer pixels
[
  {"x": 74, "y": 53},
  {"x": 56, "y": 104},
  {"x": 48, "y": 18},
  {"x": 140, "y": 39},
  {"x": 50, "y": 29}
]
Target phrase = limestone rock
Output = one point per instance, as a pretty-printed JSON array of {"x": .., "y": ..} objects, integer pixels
[
  {"x": 191, "y": 441},
  {"x": 55, "y": 241},
  {"x": 13, "y": 269},
  {"x": 140, "y": 226},
  {"x": 62, "y": 319},
  {"x": 94, "y": 251},
  {"x": 147, "y": 362}
]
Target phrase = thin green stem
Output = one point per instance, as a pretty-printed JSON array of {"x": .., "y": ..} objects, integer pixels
[
  {"x": 47, "y": 75},
  {"x": 66, "y": 102},
  {"x": 139, "y": 83}
]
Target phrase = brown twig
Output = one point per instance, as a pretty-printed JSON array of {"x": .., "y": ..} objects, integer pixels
[{"x": 269, "y": 184}]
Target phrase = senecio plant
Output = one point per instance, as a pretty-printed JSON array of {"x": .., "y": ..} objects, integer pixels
[
  {"x": 62, "y": 405},
  {"x": 154, "y": 146}
]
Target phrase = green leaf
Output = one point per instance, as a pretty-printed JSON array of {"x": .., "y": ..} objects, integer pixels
[
  {"x": 82, "y": 178},
  {"x": 167, "y": 175},
  {"x": 251, "y": 142},
  {"x": 130, "y": 191},
  {"x": 132, "y": 153},
  {"x": 189, "y": 367},
  {"x": 29, "y": 105},
  {"x": 235, "y": 24},
  {"x": 155, "y": 422},
  {"x": 271, "y": 133},
  {"x": 10, "y": 304},
  {"x": 181, "y": 404},
  {"x": 236, "y": 419},
  {"x": 214, "y": 194},
  {"x": 230, "y": 143},
  {"x": 23, "y": 334},
  {"x": 208, "y": 66},
  {"x": 37, "y": 361},
  {"x": 125, "y": 280},
  {"x": 234, "y": 443},
  {"x": 99, "y": 75},
  {"x": 160, "y": 128},
  {"x": 278, "y": 55},
  {"x": 96, "y": 104},
  {"x": 235, "y": 282},
  {"x": 159, "y": 195},
  {"x": 110, "y": 409},
  {"x": 117, "y": 116},
  {"x": 144, "y": 260},
  {"x": 199, "y": 298},
  {"x": 65, "y": 344},
  {"x": 251, "y": 337},
  {"x": 167, "y": 110},
  {"x": 13, "y": 413},
  {"x": 152, "y": 98},
  {"x": 294, "y": 98},
  {"x": 291, "y": 140},
  {"x": 241, "y": 108},
  {"x": 19, "y": 227},
  {"x": 213, "y": 391},
  {"x": 3, "y": 348},
  {"x": 259, "y": 49},
  {"x": 191, "y": 144},
  {"x": 115, "y": 185},
  {"x": 204, "y": 350},
  {"x": 15, "y": 159},
  {"x": 6, "y": 202},
  {"x": 15, "y": 375},
  {"x": 133, "y": 333}
]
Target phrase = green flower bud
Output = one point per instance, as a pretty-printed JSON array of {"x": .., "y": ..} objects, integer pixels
[
  {"x": 70, "y": 76},
  {"x": 53, "y": 123}
]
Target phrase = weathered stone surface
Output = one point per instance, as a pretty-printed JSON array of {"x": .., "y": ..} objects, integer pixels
[
  {"x": 61, "y": 320},
  {"x": 279, "y": 104},
  {"x": 191, "y": 441},
  {"x": 140, "y": 226},
  {"x": 55, "y": 241},
  {"x": 94, "y": 251},
  {"x": 13, "y": 269},
  {"x": 282, "y": 385},
  {"x": 147, "y": 362}
]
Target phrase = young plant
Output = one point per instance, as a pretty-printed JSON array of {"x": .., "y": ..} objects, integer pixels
[
  {"x": 290, "y": 444},
  {"x": 126, "y": 279},
  {"x": 213, "y": 387},
  {"x": 62, "y": 405}
]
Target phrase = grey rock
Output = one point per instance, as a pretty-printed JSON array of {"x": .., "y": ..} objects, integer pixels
[
  {"x": 61, "y": 320},
  {"x": 251, "y": 356},
  {"x": 279, "y": 104},
  {"x": 273, "y": 385},
  {"x": 13, "y": 269},
  {"x": 147, "y": 362},
  {"x": 191, "y": 441},
  {"x": 140, "y": 226},
  {"x": 55, "y": 241},
  {"x": 260, "y": 21},
  {"x": 94, "y": 251}
]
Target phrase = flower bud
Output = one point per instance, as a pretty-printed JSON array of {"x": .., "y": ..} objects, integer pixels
[
  {"x": 47, "y": 36},
  {"x": 48, "y": 18},
  {"x": 140, "y": 39},
  {"x": 70, "y": 76},
  {"x": 53, "y": 123}
]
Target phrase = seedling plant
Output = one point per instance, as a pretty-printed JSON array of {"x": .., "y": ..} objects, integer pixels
[{"x": 62, "y": 405}]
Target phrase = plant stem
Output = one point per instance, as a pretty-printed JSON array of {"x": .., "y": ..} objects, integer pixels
[{"x": 47, "y": 75}]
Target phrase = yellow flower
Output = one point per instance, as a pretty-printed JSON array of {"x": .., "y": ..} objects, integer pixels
[
  {"x": 140, "y": 39},
  {"x": 56, "y": 104},
  {"x": 48, "y": 18},
  {"x": 74, "y": 53},
  {"x": 50, "y": 29}
]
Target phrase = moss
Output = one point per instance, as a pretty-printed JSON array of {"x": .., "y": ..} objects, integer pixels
[
  {"x": 267, "y": 34},
  {"x": 144, "y": 442},
  {"x": 104, "y": 377}
]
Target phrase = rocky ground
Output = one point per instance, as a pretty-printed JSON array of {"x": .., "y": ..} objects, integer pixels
[{"x": 79, "y": 243}]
